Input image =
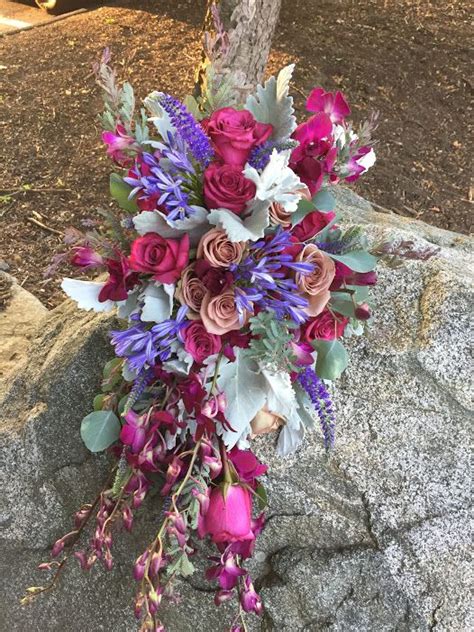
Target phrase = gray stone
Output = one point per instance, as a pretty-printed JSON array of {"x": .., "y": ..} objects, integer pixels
[{"x": 374, "y": 538}]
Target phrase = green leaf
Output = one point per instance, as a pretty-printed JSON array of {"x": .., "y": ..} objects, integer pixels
[
  {"x": 304, "y": 207},
  {"x": 99, "y": 430},
  {"x": 262, "y": 497},
  {"x": 193, "y": 107},
  {"x": 110, "y": 366},
  {"x": 98, "y": 401},
  {"x": 120, "y": 191},
  {"x": 342, "y": 304},
  {"x": 332, "y": 358},
  {"x": 324, "y": 200},
  {"x": 357, "y": 260}
]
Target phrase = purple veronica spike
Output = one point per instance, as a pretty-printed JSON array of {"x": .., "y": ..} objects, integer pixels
[
  {"x": 188, "y": 128},
  {"x": 321, "y": 400},
  {"x": 260, "y": 155}
]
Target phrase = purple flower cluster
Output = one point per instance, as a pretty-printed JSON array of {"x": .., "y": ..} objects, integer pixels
[
  {"x": 142, "y": 346},
  {"x": 263, "y": 279}
]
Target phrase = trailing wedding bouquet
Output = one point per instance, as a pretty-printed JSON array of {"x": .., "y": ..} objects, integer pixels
[{"x": 235, "y": 285}]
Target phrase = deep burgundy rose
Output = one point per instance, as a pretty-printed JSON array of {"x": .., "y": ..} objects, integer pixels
[
  {"x": 235, "y": 133},
  {"x": 199, "y": 343},
  {"x": 312, "y": 224},
  {"x": 326, "y": 326},
  {"x": 225, "y": 186},
  {"x": 121, "y": 279},
  {"x": 216, "y": 280},
  {"x": 164, "y": 258},
  {"x": 229, "y": 515}
]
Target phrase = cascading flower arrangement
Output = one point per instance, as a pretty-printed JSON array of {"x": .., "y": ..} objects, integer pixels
[{"x": 236, "y": 287}]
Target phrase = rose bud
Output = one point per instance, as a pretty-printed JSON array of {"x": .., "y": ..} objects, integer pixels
[
  {"x": 229, "y": 516},
  {"x": 362, "y": 312}
]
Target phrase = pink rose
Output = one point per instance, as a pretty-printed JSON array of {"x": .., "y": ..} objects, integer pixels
[
  {"x": 312, "y": 224},
  {"x": 217, "y": 249},
  {"x": 225, "y": 186},
  {"x": 265, "y": 422},
  {"x": 199, "y": 343},
  {"x": 163, "y": 258},
  {"x": 219, "y": 313},
  {"x": 325, "y": 327},
  {"x": 315, "y": 286},
  {"x": 191, "y": 291},
  {"x": 229, "y": 515},
  {"x": 234, "y": 133}
]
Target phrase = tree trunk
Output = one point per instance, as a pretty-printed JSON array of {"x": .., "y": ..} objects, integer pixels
[{"x": 249, "y": 26}]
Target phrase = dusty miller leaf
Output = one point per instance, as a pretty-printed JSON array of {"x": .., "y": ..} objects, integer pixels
[
  {"x": 272, "y": 104},
  {"x": 249, "y": 229}
]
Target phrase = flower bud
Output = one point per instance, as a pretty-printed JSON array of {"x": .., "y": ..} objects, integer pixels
[{"x": 362, "y": 312}]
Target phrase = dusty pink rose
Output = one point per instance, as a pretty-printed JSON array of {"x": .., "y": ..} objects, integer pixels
[
  {"x": 217, "y": 249},
  {"x": 219, "y": 313},
  {"x": 266, "y": 421},
  {"x": 225, "y": 186},
  {"x": 163, "y": 258},
  {"x": 229, "y": 515},
  {"x": 326, "y": 326},
  {"x": 234, "y": 133},
  {"x": 279, "y": 216},
  {"x": 315, "y": 286},
  {"x": 199, "y": 343},
  {"x": 191, "y": 291}
]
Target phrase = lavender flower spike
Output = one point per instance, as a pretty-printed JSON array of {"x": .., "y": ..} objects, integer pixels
[
  {"x": 321, "y": 400},
  {"x": 188, "y": 128}
]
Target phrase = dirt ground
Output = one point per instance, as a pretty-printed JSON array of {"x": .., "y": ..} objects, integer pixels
[{"x": 408, "y": 59}]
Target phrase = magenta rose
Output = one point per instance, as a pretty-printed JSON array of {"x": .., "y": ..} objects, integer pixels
[
  {"x": 229, "y": 515},
  {"x": 235, "y": 133},
  {"x": 225, "y": 186},
  {"x": 199, "y": 343},
  {"x": 164, "y": 258},
  {"x": 326, "y": 326},
  {"x": 312, "y": 224}
]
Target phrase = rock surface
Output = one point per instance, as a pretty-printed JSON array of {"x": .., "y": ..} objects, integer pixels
[{"x": 376, "y": 538}]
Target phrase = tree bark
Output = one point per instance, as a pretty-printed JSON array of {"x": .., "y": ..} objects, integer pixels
[{"x": 249, "y": 26}]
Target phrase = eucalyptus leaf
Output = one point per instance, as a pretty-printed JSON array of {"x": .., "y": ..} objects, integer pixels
[
  {"x": 262, "y": 497},
  {"x": 98, "y": 401},
  {"x": 304, "y": 208},
  {"x": 99, "y": 430},
  {"x": 324, "y": 200},
  {"x": 356, "y": 260},
  {"x": 332, "y": 358},
  {"x": 120, "y": 192}
]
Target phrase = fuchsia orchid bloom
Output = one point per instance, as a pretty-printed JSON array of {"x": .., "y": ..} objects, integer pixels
[
  {"x": 117, "y": 144},
  {"x": 86, "y": 257},
  {"x": 121, "y": 280},
  {"x": 333, "y": 104}
]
